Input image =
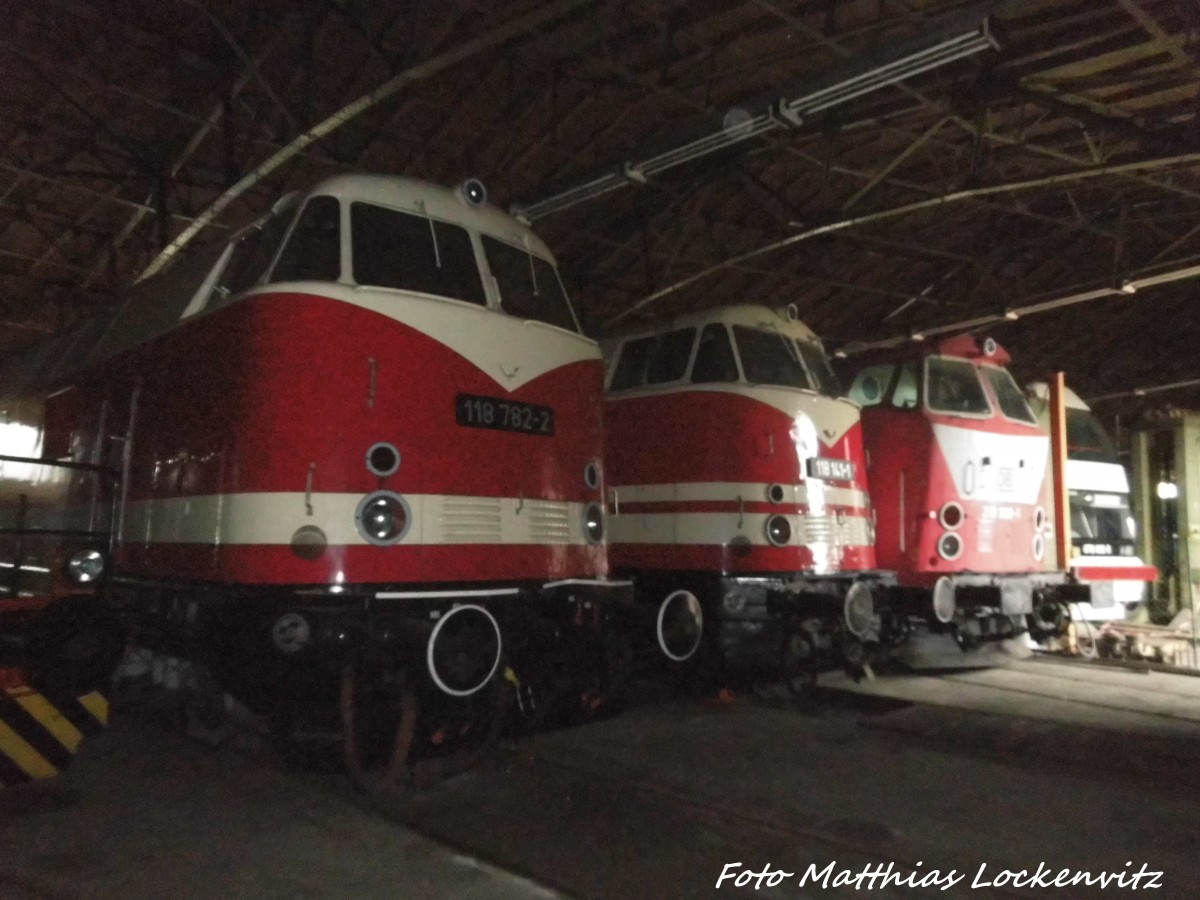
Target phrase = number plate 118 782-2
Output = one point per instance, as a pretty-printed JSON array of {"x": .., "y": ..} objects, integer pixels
[{"x": 474, "y": 411}]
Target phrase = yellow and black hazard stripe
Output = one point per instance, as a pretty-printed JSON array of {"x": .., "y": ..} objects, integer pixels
[{"x": 40, "y": 737}]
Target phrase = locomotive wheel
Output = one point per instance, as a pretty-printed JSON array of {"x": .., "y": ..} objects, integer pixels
[
  {"x": 455, "y": 734},
  {"x": 379, "y": 709}
]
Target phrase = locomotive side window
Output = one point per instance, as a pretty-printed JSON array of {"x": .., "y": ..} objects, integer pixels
[
  {"x": 657, "y": 359},
  {"x": 952, "y": 386},
  {"x": 529, "y": 285},
  {"x": 314, "y": 249},
  {"x": 251, "y": 255},
  {"x": 671, "y": 356},
  {"x": 715, "y": 361},
  {"x": 871, "y": 384},
  {"x": 819, "y": 369},
  {"x": 769, "y": 358},
  {"x": 394, "y": 249},
  {"x": 1008, "y": 395},
  {"x": 632, "y": 363}
]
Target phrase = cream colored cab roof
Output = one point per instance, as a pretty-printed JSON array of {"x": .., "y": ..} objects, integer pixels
[
  {"x": 750, "y": 315},
  {"x": 424, "y": 199}
]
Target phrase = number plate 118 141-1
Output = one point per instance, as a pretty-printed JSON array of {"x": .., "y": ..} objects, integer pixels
[{"x": 474, "y": 411}]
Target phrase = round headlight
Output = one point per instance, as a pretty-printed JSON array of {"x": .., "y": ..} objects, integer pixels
[
  {"x": 85, "y": 566},
  {"x": 779, "y": 530},
  {"x": 473, "y": 193},
  {"x": 950, "y": 515},
  {"x": 1039, "y": 547},
  {"x": 775, "y": 493},
  {"x": 1039, "y": 519},
  {"x": 593, "y": 523},
  {"x": 382, "y": 518},
  {"x": 383, "y": 459},
  {"x": 591, "y": 475},
  {"x": 949, "y": 546}
]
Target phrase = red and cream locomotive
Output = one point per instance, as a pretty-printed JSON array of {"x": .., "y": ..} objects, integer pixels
[
  {"x": 957, "y": 464},
  {"x": 359, "y": 457},
  {"x": 736, "y": 479}
]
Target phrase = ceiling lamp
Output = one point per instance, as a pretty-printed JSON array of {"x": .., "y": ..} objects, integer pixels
[{"x": 947, "y": 40}]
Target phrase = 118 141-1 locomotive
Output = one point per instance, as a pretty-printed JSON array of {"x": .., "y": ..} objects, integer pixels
[{"x": 737, "y": 477}]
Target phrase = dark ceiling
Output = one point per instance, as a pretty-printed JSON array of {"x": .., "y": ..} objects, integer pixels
[{"x": 1065, "y": 162}]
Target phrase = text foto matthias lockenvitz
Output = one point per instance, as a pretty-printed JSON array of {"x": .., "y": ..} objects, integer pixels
[{"x": 883, "y": 875}]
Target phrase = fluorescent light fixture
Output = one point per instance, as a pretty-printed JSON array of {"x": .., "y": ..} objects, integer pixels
[
  {"x": 1151, "y": 280},
  {"x": 1167, "y": 490},
  {"x": 947, "y": 51},
  {"x": 957, "y": 37}
]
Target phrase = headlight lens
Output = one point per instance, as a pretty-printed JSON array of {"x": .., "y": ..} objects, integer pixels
[
  {"x": 950, "y": 515},
  {"x": 593, "y": 523},
  {"x": 949, "y": 546},
  {"x": 1039, "y": 547},
  {"x": 591, "y": 475},
  {"x": 779, "y": 530},
  {"x": 383, "y": 517},
  {"x": 85, "y": 566},
  {"x": 383, "y": 459}
]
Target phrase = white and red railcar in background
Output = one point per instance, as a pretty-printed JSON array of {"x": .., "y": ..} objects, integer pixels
[
  {"x": 1102, "y": 547},
  {"x": 361, "y": 436},
  {"x": 736, "y": 475},
  {"x": 957, "y": 464}
]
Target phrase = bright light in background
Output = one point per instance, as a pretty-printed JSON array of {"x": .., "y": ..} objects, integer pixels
[
  {"x": 19, "y": 439},
  {"x": 1167, "y": 490}
]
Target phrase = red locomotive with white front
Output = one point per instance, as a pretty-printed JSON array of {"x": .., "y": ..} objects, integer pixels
[
  {"x": 736, "y": 476},
  {"x": 359, "y": 455},
  {"x": 957, "y": 465}
]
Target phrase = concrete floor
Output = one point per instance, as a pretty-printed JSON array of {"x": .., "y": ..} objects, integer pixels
[
  {"x": 147, "y": 813},
  {"x": 1078, "y": 768}
]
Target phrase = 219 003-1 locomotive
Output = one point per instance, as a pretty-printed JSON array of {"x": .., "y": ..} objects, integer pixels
[
  {"x": 359, "y": 475},
  {"x": 957, "y": 466}
]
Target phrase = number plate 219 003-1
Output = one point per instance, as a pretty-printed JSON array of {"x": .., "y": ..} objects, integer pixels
[{"x": 474, "y": 411}]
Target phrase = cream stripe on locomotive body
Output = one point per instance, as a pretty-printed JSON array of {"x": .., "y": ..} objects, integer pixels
[
  {"x": 373, "y": 401},
  {"x": 736, "y": 472}
]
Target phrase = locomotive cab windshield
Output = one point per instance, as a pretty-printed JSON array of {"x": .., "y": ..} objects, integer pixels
[
  {"x": 952, "y": 386},
  {"x": 364, "y": 243},
  {"x": 719, "y": 353}
]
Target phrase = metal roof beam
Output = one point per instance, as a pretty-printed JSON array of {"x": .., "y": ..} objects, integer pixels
[
  {"x": 493, "y": 38},
  {"x": 1163, "y": 40}
]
